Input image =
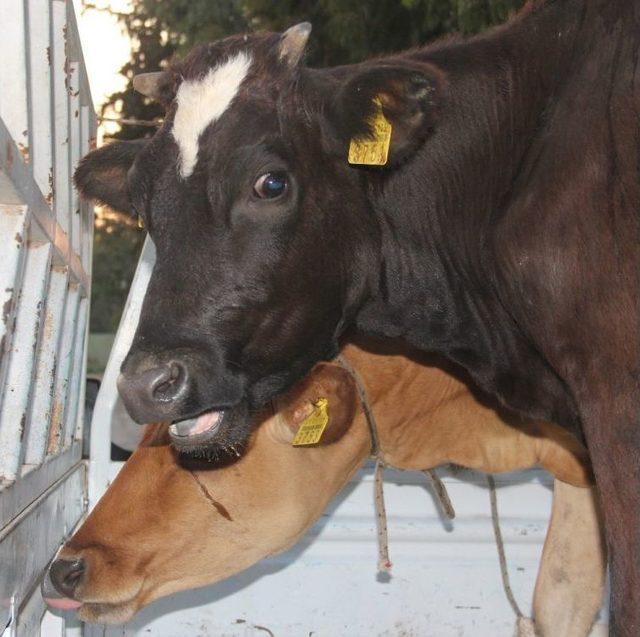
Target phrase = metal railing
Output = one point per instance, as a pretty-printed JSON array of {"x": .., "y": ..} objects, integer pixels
[{"x": 46, "y": 124}]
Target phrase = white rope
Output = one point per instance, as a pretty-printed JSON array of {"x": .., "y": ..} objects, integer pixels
[
  {"x": 506, "y": 584},
  {"x": 384, "y": 563}
]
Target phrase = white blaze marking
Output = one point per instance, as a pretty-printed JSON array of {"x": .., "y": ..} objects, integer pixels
[{"x": 201, "y": 102}]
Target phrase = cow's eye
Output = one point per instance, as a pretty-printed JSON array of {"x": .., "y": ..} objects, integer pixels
[{"x": 270, "y": 185}]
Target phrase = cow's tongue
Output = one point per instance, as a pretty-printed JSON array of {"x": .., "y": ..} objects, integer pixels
[
  {"x": 62, "y": 603},
  {"x": 205, "y": 423}
]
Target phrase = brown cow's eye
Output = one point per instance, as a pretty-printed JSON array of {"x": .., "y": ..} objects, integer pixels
[{"x": 270, "y": 185}]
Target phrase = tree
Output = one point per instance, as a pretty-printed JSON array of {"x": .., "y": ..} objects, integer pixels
[
  {"x": 116, "y": 247},
  {"x": 344, "y": 31}
]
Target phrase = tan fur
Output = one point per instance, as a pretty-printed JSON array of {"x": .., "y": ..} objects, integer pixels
[
  {"x": 160, "y": 528},
  {"x": 573, "y": 565}
]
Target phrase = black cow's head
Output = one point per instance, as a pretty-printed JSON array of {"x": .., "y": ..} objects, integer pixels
[{"x": 266, "y": 241}]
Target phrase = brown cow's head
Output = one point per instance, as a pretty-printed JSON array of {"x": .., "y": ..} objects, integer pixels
[
  {"x": 266, "y": 243},
  {"x": 162, "y": 527}
]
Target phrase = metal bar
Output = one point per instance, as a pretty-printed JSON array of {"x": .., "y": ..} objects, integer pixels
[
  {"x": 17, "y": 496},
  {"x": 21, "y": 368},
  {"x": 87, "y": 141},
  {"x": 13, "y": 220},
  {"x": 44, "y": 386},
  {"x": 74, "y": 400},
  {"x": 61, "y": 177},
  {"x": 75, "y": 403},
  {"x": 41, "y": 138},
  {"x": 63, "y": 369},
  {"x": 99, "y": 475},
  {"x": 13, "y": 73},
  {"x": 74, "y": 150},
  {"x": 75, "y": 51}
]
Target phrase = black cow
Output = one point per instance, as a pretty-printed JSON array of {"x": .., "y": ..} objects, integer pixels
[{"x": 503, "y": 231}]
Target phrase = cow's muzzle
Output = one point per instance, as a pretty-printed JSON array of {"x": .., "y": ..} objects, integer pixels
[
  {"x": 61, "y": 581},
  {"x": 172, "y": 389}
]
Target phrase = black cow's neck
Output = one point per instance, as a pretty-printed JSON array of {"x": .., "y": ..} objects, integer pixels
[{"x": 437, "y": 211}]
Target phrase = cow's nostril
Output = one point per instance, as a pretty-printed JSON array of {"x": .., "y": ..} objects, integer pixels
[
  {"x": 170, "y": 383},
  {"x": 66, "y": 575},
  {"x": 154, "y": 393}
]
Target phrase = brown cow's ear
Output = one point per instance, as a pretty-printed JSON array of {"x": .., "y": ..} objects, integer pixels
[
  {"x": 102, "y": 174},
  {"x": 326, "y": 380},
  {"x": 409, "y": 95}
]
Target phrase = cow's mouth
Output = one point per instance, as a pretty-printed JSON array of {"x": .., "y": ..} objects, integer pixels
[
  {"x": 95, "y": 612},
  {"x": 214, "y": 433},
  {"x": 197, "y": 430},
  {"x": 116, "y": 612}
]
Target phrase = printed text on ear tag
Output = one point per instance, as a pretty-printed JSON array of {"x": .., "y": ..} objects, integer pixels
[
  {"x": 313, "y": 426},
  {"x": 374, "y": 151}
]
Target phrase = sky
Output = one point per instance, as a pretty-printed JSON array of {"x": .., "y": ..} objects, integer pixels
[{"x": 105, "y": 45}]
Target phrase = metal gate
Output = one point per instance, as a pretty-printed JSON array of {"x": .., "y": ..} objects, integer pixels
[{"x": 46, "y": 125}]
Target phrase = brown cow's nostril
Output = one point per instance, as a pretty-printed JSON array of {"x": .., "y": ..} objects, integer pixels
[{"x": 66, "y": 575}]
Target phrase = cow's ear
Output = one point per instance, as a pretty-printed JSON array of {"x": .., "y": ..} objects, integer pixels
[
  {"x": 409, "y": 95},
  {"x": 101, "y": 175},
  {"x": 328, "y": 381}
]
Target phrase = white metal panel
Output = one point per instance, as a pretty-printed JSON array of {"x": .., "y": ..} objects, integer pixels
[
  {"x": 34, "y": 480},
  {"x": 21, "y": 360},
  {"x": 36, "y": 533},
  {"x": 44, "y": 288}
]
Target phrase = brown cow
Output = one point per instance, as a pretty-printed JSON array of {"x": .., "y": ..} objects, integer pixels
[{"x": 127, "y": 554}]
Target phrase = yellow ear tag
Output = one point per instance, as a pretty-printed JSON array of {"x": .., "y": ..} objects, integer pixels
[
  {"x": 374, "y": 151},
  {"x": 313, "y": 426}
]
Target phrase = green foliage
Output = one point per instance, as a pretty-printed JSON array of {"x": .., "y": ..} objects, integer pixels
[
  {"x": 344, "y": 31},
  {"x": 116, "y": 247}
]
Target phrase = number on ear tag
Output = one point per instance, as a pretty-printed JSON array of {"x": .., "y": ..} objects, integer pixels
[{"x": 313, "y": 426}]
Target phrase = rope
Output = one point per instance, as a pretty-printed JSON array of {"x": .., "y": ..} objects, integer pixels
[
  {"x": 384, "y": 563},
  {"x": 500, "y": 545},
  {"x": 366, "y": 406},
  {"x": 442, "y": 496}
]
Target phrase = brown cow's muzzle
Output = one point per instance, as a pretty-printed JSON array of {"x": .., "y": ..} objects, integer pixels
[
  {"x": 67, "y": 586},
  {"x": 60, "y": 582}
]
